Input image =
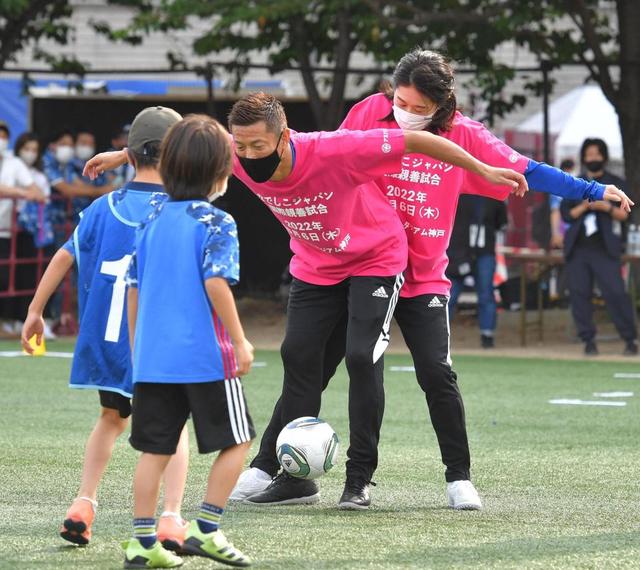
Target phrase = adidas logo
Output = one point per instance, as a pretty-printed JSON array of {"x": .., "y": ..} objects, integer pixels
[
  {"x": 435, "y": 302},
  {"x": 380, "y": 292}
]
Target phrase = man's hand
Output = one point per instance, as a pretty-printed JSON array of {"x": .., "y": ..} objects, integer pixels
[
  {"x": 507, "y": 177},
  {"x": 244, "y": 356},
  {"x": 614, "y": 194},
  {"x": 104, "y": 161},
  {"x": 33, "y": 325}
]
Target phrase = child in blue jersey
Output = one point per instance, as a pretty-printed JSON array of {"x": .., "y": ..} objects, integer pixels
[
  {"x": 101, "y": 246},
  {"x": 188, "y": 344}
]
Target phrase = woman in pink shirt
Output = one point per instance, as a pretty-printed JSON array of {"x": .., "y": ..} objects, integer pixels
[{"x": 424, "y": 192}]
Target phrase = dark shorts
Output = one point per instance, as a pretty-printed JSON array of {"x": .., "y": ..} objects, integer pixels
[
  {"x": 115, "y": 401},
  {"x": 219, "y": 411}
]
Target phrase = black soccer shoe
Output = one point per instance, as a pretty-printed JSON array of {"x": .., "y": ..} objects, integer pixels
[
  {"x": 287, "y": 490},
  {"x": 355, "y": 495}
]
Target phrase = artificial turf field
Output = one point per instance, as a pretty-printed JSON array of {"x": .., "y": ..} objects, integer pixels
[{"x": 560, "y": 484}]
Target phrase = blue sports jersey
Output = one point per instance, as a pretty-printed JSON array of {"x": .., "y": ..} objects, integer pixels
[
  {"x": 179, "y": 338},
  {"x": 102, "y": 245}
]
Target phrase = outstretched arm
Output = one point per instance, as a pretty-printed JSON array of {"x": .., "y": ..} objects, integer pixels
[
  {"x": 53, "y": 276},
  {"x": 544, "y": 178},
  {"x": 438, "y": 147}
]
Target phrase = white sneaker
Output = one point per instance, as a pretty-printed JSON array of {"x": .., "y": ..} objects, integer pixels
[
  {"x": 47, "y": 332},
  {"x": 251, "y": 482},
  {"x": 463, "y": 496}
]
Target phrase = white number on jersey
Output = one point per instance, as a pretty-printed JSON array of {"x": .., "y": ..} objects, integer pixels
[{"x": 119, "y": 270}]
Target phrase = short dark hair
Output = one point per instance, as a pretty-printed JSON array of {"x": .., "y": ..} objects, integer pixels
[
  {"x": 57, "y": 135},
  {"x": 4, "y": 127},
  {"x": 567, "y": 164},
  {"x": 195, "y": 154},
  {"x": 150, "y": 159},
  {"x": 430, "y": 73},
  {"x": 256, "y": 107},
  {"x": 602, "y": 147}
]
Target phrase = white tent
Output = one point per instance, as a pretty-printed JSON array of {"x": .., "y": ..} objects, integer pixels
[{"x": 582, "y": 113}]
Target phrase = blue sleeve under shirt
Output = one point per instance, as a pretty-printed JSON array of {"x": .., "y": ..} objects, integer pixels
[{"x": 544, "y": 178}]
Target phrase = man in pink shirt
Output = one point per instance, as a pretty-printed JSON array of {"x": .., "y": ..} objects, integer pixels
[
  {"x": 349, "y": 253},
  {"x": 423, "y": 191}
]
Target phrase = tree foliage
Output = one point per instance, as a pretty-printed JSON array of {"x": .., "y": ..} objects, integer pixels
[{"x": 24, "y": 23}]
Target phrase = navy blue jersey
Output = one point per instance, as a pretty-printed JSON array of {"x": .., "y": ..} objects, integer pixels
[
  {"x": 179, "y": 338},
  {"x": 102, "y": 245}
]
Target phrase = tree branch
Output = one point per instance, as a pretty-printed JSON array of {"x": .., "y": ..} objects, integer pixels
[{"x": 584, "y": 18}]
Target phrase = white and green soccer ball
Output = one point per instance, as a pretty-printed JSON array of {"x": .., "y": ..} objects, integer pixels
[{"x": 307, "y": 447}]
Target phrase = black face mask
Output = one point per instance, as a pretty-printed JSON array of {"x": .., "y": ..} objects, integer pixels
[
  {"x": 594, "y": 165},
  {"x": 261, "y": 169}
]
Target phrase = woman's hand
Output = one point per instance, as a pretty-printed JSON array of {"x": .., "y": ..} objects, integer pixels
[
  {"x": 614, "y": 194},
  {"x": 507, "y": 177}
]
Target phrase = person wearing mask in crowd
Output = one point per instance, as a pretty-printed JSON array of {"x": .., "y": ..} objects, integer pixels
[
  {"x": 593, "y": 250},
  {"x": 59, "y": 168},
  {"x": 16, "y": 183},
  {"x": 472, "y": 252},
  {"x": 125, "y": 172},
  {"x": 85, "y": 148},
  {"x": 35, "y": 230},
  {"x": 424, "y": 193}
]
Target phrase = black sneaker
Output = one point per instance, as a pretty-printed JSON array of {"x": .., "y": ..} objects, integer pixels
[
  {"x": 487, "y": 341},
  {"x": 590, "y": 348},
  {"x": 287, "y": 490},
  {"x": 631, "y": 348},
  {"x": 356, "y": 495}
]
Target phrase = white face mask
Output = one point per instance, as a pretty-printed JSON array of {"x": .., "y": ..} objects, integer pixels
[
  {"x": 4, "y": 145},
  {"x": 85, "y": 152},
  {"x": 411, "y": 121},
  {"x": 64, "y": 153},
  {"x": 28, "y": 157}
]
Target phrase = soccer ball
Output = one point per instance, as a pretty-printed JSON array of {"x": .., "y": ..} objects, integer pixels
[{"x": 307, "y": 447}]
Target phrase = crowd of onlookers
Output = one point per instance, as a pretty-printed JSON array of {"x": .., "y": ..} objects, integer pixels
[{"x": 44, "y": 186}]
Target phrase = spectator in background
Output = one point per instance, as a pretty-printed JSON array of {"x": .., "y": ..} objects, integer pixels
[
  {"x": 85, "y": 148},
  {"x": 125, "y": 172},
  {"x": 16, "y": 182},
  {"x": 472, "y": 253},
  {"x": 558, "y": 227},
  {"x": 593, "y": 249},
  {"x": 34, "y": 221},
  {"x": 60, "y": 170}
]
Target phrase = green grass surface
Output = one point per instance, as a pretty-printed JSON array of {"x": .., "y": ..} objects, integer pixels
[{"x": 559, "y": 483}]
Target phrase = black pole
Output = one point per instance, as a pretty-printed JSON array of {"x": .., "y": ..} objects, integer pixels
[
  {"x": 211, "y": 105},
  {"x": 545, "y": 66}
]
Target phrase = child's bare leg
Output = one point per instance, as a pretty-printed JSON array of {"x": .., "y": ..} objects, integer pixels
[
  {"x": 224, "y": 474},
  {"x": 99, "y": 449},
  {"x": 175, "y": 475},
  {"x": 146, "y": 484}
]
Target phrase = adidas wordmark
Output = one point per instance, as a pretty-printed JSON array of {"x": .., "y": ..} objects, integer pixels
[
  {"x": 380, "y": 292},
  {"x": 435, "y": 302}
]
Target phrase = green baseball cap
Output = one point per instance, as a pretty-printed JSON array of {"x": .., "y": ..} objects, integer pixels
[{"x": 150, "y": 125}]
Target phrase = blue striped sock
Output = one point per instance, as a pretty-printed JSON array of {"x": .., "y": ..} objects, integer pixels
[
  {"x": 209, "y": 518},
  {"x": 145, "y": 531}
]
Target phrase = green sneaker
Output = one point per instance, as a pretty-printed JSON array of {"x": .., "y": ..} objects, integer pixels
[
  {"x": 213, "y": 545},
  {"x": 137, "y": 556}
]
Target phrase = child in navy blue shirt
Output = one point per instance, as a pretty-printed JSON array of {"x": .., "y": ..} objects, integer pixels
[{"x": 189, "y": 347}]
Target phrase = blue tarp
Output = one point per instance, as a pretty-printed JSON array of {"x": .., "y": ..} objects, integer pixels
[{"x": 14, "y": 104}]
